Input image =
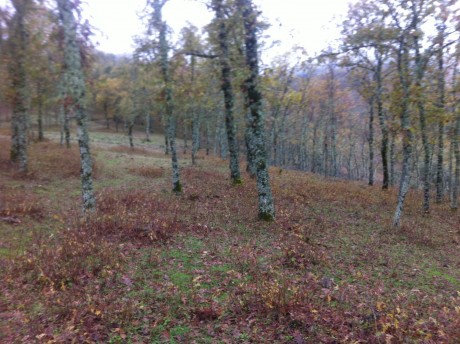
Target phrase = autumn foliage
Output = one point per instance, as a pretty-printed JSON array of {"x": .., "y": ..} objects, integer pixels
[{"x": 149, "y": 266}]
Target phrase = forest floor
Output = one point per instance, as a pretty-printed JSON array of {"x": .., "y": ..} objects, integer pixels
[{"x": 153, "y": 267}]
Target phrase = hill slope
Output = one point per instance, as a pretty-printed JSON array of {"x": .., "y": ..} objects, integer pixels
[{"x": 199, "y": 268}]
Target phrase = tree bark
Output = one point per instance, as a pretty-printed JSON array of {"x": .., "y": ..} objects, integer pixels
[
  {"x": 75, "y": 93},
  {"x": 17, "y": 72},
  {"x": 441, "y": 108},
  {"x": 256, "y": 122},
  {"x": 227, "y": 90},
  {"x": 403, "y": 73},
  {"x": 371, "y": 141},
  {"x": 170, "y": 136}
]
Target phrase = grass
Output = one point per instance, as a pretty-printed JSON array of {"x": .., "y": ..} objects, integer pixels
[{"x": 151, "y": 266}]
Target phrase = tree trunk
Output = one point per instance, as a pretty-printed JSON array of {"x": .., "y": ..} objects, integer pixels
[
  {"x": 185, "y": 138},
  {"x": 75, "y": 92},
  {"x": 17, "y": 72},
  {"x": 251, "y": 167},
  {"x": 456, "y": 143},
  {"x": 160, "y": 25},
  {"x": 195, "y": 137},
  {"x": 147, "y": 127},
  {"x": 177, "y": 186},
  {"x": 41, "y": 135},
  {"x": 333, "y": 121},
  {"x": 208, "y": 143},
  {"x": 227, "y": 90},
  {"x": 106, "y": 114},
  {"x": 130, "y": 126},
  {"x": 371, "y": 142},
  {"x": 441, "y": 108},
  {"x": 456, "y": 184},
  {"x": 392, "y": 176},
  {"x": 403, "y": 72},
  {"x": 420, "y": 63},
  {"x": 383, "y": 123},
  {"x": 256, "y": 123}
]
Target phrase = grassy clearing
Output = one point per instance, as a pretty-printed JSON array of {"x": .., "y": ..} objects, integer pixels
[{"x": 154, "y": 267}]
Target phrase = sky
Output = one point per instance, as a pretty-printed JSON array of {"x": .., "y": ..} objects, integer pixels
[{"x": 306, "y": 23}]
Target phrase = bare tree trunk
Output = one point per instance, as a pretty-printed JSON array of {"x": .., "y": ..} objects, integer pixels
[
  {"x": 266, "y": 206},
  {"x": 333, "y": 121},
  {"x": 195, "y": 137},
  {"x": 371, "y": 142},
  {"x": 17, "y": 72},
  {"x": 228, "y": 92},
  {"x": 75, "y": 91},
  {"x": 208, "y": 143},
  {"x": 185, "y": 138},
  {"x": 392, "y": 164},
  {"x": 403, "y": 72},
  {"x": 41, "y": 135},
  {"x": 160, "y": 25},
  {"x": 441, "y": 107},
  {"x": 130, "y": 126},
  {"x": 456, "y": 144},
  {"x": 147, "y": 127},
  {"x": 383, "y": 123}
]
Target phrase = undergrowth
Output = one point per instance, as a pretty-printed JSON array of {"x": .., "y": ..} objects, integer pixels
[{"x": 151, "y": 266}]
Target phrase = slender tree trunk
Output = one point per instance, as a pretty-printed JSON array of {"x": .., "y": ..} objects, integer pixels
[
  {"x": 333, "y": 122},
  {"x": 195, "y": 137},
  {"x": 441, "y": 108},
  {"x": 227, "y": 90},
  {"x": 61, "y": 126},
  {"x": 303, "y": 145},
  {"x": 160, "y": 25},
  {"x": 177, "y": 186},
  {"x": 251, "y": 167},
  {"x": 75, "y": 87},
  {"x": 403, "y": 72},
  {"x": 450, "y": 170},
  {"x": 383, "y": 123},
  {"x": 371, "y": 142},
  {"x": 419, "y": 75},
  {"x": 66, "y": 125},
  {"x": 313, "y": 149},
  {"x": 41, "y": 135},
  {"x": 130, "y": 126},
  {"x": 106, "y": 114},
  {"x": 208, "y": 142},
  {"x": 147, "y": 127},
  {"x": 426, "y": 157},
  {"x": 17, "y": 72},
  {"x": 266, "y": 206},
  {"x": 392, "y": 176},
  {"x": 166, "y": 140},
  {"x": 185, "y": 138},
  {"x": 456, "y": 144}
]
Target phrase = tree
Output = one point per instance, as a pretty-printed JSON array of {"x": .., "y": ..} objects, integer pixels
[
  {"x": 163, "y": 50},
  {"x": 256, "y": 120},
  {"x": 227, "y": 89},
  {"x": 75, "y": 94},
  {"x": 366, "y": 43},
  {"x": 43, "y": 69},
  {"x": 456, "y": 134},
  {"x": 18, "y": 48}
]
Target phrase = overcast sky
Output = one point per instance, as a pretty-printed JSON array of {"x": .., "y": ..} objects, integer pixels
[
  {"x": 307, "y": 23},
  {"x": 293, "y": 22}
]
